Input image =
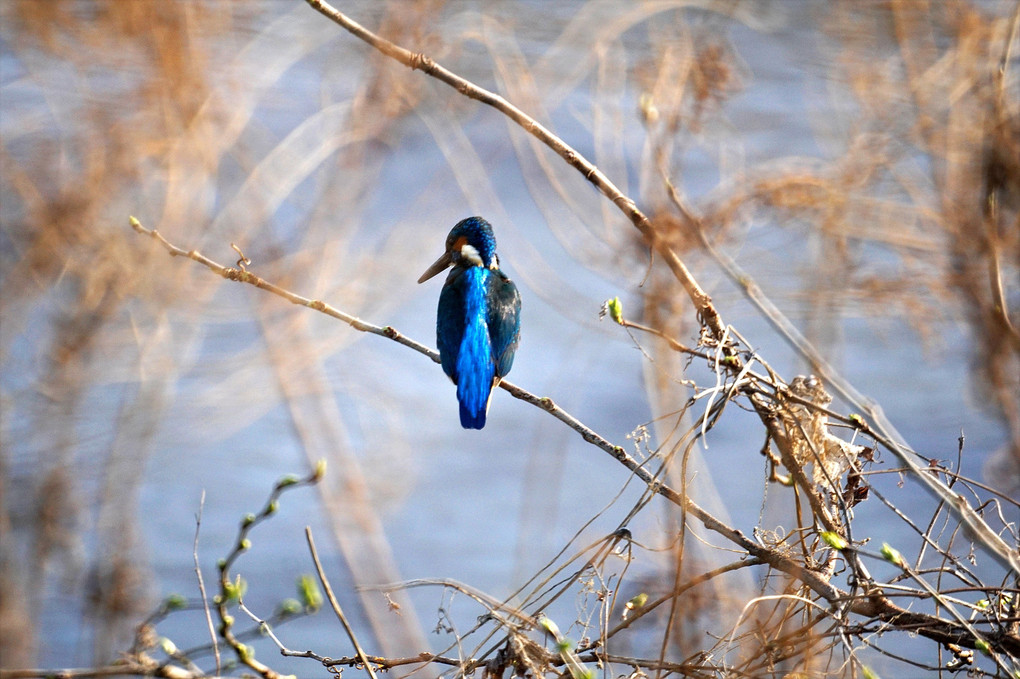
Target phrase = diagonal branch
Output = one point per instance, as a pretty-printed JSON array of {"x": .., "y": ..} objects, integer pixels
[
  {"x": 418, "y": 61},
  {"x": 874, "y": 605},
  {"x": 707, "y": 313}
]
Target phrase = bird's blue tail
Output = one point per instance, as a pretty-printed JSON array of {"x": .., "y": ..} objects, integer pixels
[
  {"x": 470, "y": 420},
  {"x": 475, "y": 367}
]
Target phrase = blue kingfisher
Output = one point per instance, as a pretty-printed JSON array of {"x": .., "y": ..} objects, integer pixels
[{"x": 478, "y": 324}]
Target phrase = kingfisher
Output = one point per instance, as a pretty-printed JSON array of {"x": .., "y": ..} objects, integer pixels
[{"x": 478, "y": 324}]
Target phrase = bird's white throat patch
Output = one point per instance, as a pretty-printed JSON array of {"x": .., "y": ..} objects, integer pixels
[{"x": 469, "y": 253}]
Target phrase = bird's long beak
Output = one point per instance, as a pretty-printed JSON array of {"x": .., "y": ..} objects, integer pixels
[{"x": 439, "y": 265}]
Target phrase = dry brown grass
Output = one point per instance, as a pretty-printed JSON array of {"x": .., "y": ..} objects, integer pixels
[{"x": 173, "y": 110}]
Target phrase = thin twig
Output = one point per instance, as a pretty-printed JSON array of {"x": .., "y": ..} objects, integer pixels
[
  {"x": 336, "y": 604},
  {"x": 201, "y": 587},
  {"x": 265, "y": 628},
  {"x": 693, "y": 582},
  {"x": 489, "y": 602},
  {"x": 245, "y": 276}
]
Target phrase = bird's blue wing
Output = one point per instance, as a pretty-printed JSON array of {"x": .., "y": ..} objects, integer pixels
[
  {"x": 504, "y": 319},
  {"x": 450, "y": 322}
]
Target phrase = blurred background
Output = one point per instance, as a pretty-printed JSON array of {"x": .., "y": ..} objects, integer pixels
[{"x": 861, "y": 160}]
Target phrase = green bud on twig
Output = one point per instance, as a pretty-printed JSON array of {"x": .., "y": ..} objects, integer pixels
[
  {"x": 616, "y": 310},
  {"x": 320, "y": 470},
  {"x": 549, "y": 626},
  {"x": 235, "y": 590},
  {"x": 174, "y": 602},
  {"x": 834, "y": 540},
  {"x": 309, "y": 592},
  {"x": 635, "y": 602},
  {"x": 893, "y": 556},
  {"x": 288, "y": 480}
]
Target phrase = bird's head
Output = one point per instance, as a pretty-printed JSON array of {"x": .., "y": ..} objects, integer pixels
[{"x": 470, "y": 243}]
